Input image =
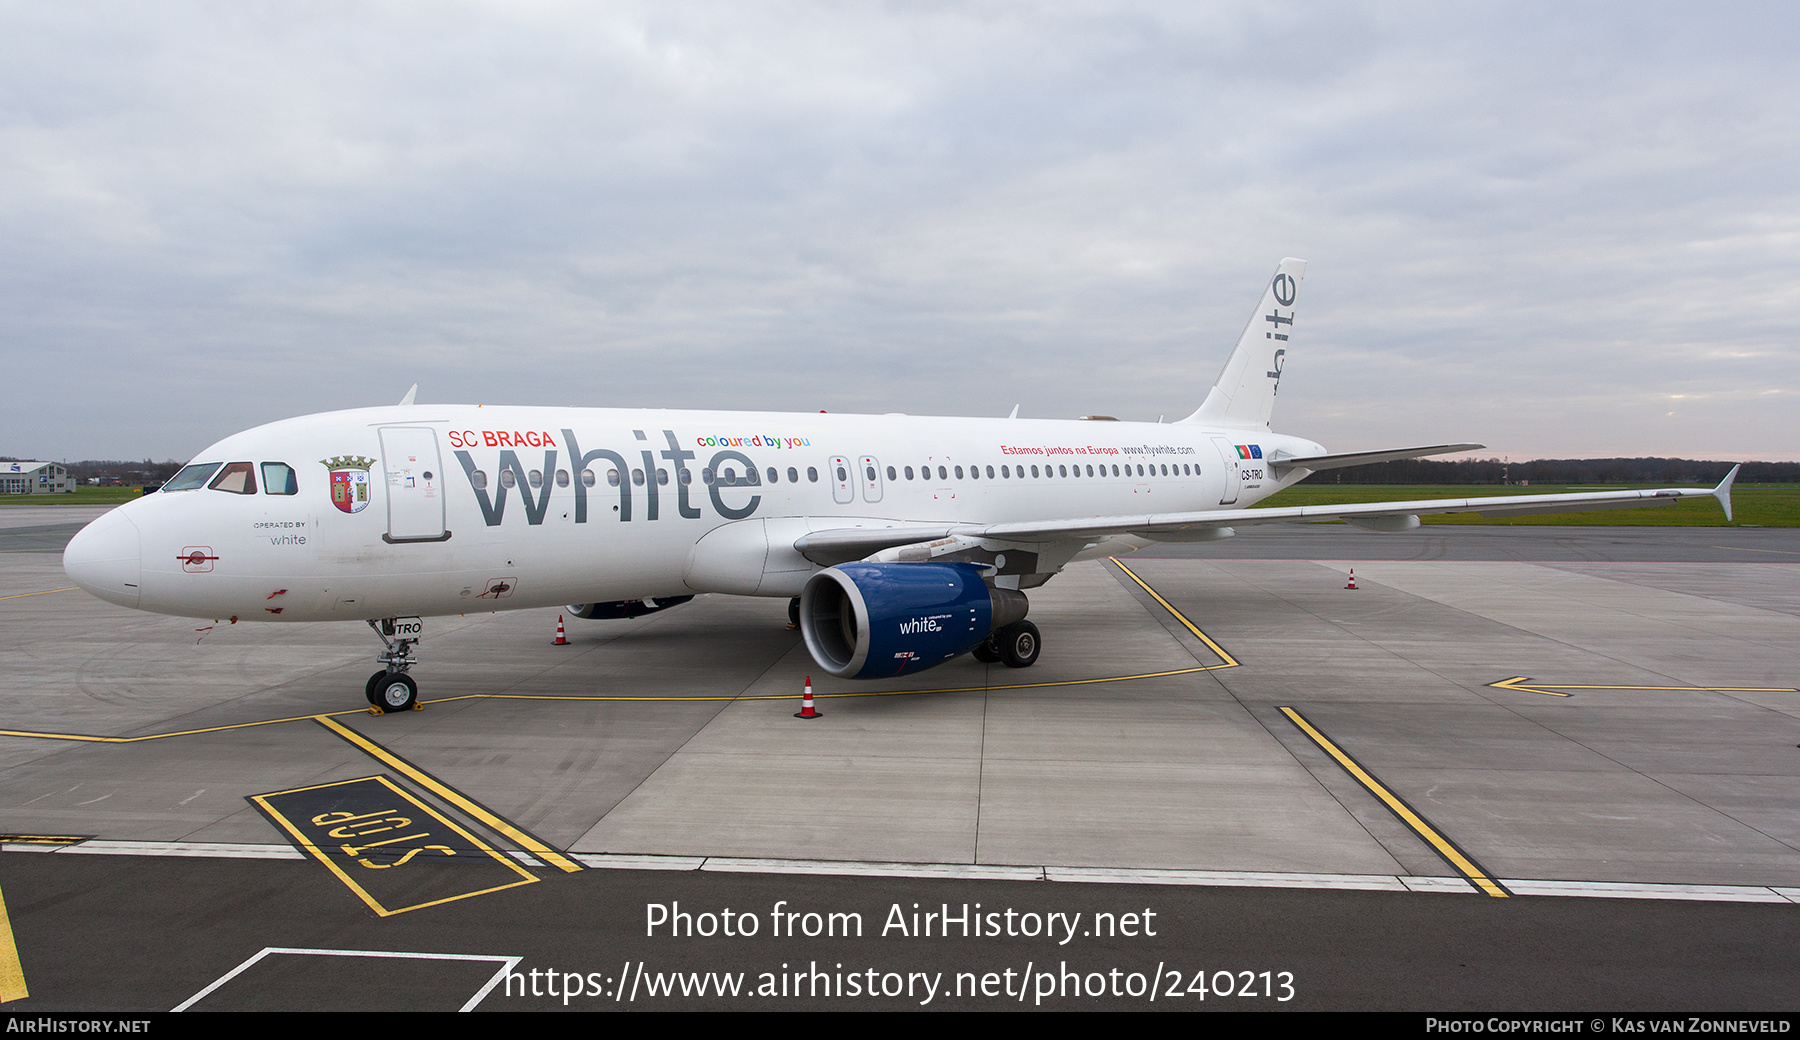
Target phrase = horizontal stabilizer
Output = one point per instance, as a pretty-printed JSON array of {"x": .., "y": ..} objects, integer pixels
[{"x": 1338, "y": 460}]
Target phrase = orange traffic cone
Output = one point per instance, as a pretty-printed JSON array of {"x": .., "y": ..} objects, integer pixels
[
  {"x": 807, "y": 711},
  {"x": 1352, "y": 579},
  {"x": 561, "y": 639}
]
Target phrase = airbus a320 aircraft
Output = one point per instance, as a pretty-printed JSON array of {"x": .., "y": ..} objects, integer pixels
[{"x": 901, "y": 541}]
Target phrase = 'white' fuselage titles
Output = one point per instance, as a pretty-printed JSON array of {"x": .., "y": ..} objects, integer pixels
[{"x": 506, "y": 520}]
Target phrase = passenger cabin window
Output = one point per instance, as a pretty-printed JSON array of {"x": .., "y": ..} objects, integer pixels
[
  {"x": 191, "y": 477},
  {"x": 793, "y": 475},
  {"x": 812, "y": 474},
  {"x": 479, "y": 479},
  {"x": 278, "y": 479},
  {"x": 239, "y": 478},
  {"x": 508, "y": 479},
  {"x": 587, "y": 478},
  {"x": 562, "y": 478}
]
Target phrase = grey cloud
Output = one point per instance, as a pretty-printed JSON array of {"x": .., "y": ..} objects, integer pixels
[{"x": 1541, "y": 229}]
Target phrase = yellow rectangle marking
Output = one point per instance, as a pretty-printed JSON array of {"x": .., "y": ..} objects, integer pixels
[
  {"x": 12, "y": 974},
  {"x": 449, "y": 794},
  {"x": 1230, "y": 661},
  {"x": 1419, "y": 825},
  {"x": 305, "y": 843}
]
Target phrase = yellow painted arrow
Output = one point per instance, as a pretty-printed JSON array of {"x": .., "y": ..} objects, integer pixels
[{"x": 1527, "y": 685}]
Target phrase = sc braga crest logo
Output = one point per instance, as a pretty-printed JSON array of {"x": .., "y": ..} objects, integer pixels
[{"x": 349, "y": 481}]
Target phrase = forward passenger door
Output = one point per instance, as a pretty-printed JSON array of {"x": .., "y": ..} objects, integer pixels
[{"x": 415, "y": 484}]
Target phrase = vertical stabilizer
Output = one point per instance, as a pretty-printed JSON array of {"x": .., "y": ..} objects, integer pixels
[{"x": 1244, "y": 395}]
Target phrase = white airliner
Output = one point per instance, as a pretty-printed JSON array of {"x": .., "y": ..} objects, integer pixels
[{"x": 901, "y": 541}]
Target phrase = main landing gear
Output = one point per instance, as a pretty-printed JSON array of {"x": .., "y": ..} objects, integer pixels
[
  {"x": 391, "y": 689},
  {"x": 1016, "y": 645}
]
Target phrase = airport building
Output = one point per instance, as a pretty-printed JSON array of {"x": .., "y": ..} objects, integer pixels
[{"x": 34, "y": 478}]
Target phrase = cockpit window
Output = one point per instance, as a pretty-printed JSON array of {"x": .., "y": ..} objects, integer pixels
[
  {"x": 191, "y": 477},
  {"x": 239, "y": 478},
  {"x": 278, "y": 479}
]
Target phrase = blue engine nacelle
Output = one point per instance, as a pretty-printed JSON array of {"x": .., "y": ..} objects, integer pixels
[
  {"x": 877, "y": 620},
  {"x": 624, "y": 608}
]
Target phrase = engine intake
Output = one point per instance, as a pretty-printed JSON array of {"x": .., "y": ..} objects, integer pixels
[{"x": 877, "y": 620}]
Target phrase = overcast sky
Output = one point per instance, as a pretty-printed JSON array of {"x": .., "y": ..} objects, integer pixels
[{"x": 1560, "y": 230}]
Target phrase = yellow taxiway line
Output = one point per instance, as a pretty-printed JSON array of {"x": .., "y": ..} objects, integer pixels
[
  {"x": 1417, "y": 823},
  {"x": 530, "y": 843},
  {"x": 12, "y": 974},
  {"x": 1526, "y": 685},
  {"x": 42, "y": 592},
  {"x": 1230, "y": 661}
]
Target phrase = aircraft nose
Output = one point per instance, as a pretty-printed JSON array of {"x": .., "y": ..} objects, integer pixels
[{"x": 103, "y": 559}]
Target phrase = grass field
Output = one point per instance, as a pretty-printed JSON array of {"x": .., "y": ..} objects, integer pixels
[
  {"x": 1753, "y": 505},
  {"x": 81, "y": 496}
]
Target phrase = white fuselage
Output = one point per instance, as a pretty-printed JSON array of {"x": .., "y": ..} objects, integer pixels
[{"x": 458, "y": 509}]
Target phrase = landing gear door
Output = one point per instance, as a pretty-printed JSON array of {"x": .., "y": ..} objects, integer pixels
[
  {"x": 1234, "y": 477},
  {"x": 415, "y": 484}
]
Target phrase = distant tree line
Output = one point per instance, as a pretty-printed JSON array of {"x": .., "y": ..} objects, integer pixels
[{"x": 1557, "y": 471}]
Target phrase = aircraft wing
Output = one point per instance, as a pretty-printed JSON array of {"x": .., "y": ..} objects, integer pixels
[{"x": 845, "y": 544}]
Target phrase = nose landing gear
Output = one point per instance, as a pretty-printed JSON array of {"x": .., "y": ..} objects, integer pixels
[{"x": 392, "y": 689}]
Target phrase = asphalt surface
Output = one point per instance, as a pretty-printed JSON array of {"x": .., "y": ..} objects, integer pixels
[
  {"x": 1628, "y": 839},
  {"x": 118, "y": 933}
]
